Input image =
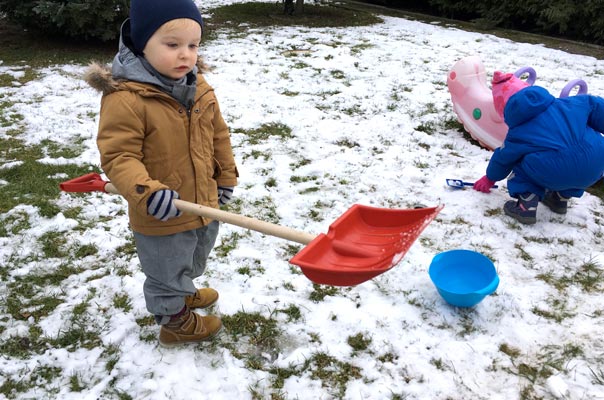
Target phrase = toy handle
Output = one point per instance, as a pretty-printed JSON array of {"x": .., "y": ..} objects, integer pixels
[
  {"x": 489, "y": 289},
  {"x": 571, "y": 85},
  {"x": 532, "y": 74}
]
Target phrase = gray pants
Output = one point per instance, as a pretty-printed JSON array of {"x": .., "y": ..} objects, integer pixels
[{"x": 170, "y": 264}]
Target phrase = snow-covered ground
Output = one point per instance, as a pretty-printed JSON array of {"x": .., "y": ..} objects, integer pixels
[{"x": 371, "y": 123}]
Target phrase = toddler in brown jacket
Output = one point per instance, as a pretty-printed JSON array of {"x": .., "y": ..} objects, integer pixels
[{"x": 162, "y": 137}]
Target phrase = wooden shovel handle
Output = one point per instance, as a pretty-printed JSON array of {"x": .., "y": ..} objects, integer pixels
[{"x": 236, "y": 219}]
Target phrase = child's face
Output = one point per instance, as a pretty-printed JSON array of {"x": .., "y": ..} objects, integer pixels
[{"x": 172, "y": 50}]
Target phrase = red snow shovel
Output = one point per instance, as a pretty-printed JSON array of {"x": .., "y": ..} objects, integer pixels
[{"x": 361, "y": 244}]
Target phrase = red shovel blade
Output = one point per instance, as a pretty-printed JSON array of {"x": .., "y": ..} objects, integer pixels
[{"x": 363, "y": 243}]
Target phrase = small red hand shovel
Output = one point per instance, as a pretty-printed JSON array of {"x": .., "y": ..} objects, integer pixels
[{"x": 361, "y": 244}]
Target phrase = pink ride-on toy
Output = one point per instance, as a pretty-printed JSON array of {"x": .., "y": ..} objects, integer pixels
[{"x": 473, "y": 101}]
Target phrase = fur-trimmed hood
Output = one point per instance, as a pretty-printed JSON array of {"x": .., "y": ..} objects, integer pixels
[{"x": 100, "y": 77}]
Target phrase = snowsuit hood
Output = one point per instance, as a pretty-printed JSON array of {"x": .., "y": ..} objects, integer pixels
[{"x": 526, "y": 104}]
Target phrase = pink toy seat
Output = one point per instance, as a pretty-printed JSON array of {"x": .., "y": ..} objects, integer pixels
[{"x": 473, "y": 101}]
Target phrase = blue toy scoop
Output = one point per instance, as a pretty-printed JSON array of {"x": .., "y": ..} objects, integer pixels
[{"x": 459, "y": 184}]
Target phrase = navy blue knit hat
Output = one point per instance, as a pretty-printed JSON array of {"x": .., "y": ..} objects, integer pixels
[{"x": 146, "y": 16}]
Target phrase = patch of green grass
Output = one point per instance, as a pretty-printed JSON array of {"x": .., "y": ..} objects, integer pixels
[
  {"x": 523, "y": 254},
  {"x": 270, "y": 183},
  {"x": 388, "y": 357},
  {"x": 426, "y": 127},
  {"x": 257, "y": 154},
  {"x": 37, "y": 308},
  {"x": 266, "y": 210},
  {"x": 292, "y": 312},
  {"x": 314, "y": 212},
  {"x": 13, "y": 149},
  {"x": 111, "y": 353},
  {"x": 511, "y": 351},
  {"x": 491, "y": 212},
  {"x": 45, "y": 374},
  {"x": 421, "y": 164},
  {"x": 244, "y": 271},
  {"x": 548, "y": 361},
  {"x": 79, "y": 335},
  {"x": 18, "y": 347},
  {"x": 300, "y": 163},
  {"x": 21, "y": 47},
  {"x": 271, "y": 14},
  {"x": 309, "y": 190},
  {"x": 227, "y": 244},
  {"x": 26, "y": 74},
  {"x": 439, "y": 364},
  {"x": 321, "y": 291},
  {"x": 300, "y": 65},
  {"x": 467, "y": 324},
  {"x": 337, "y": 74},
  {"x": 53, "y": 244},
  {"x": 129, "y": 248},
  {"x": 359, "y": 342},
  {"x": 598, "y": 376},
  {"x": 356, "y": 109},
  {"x": 40, "y": 376},
  {"x": 14, "y": 223},
  {"x": 85, "y": 251},
  {"x": 123, "y": 302},
  {"x": 358, "y": 48},
  {"x": 24, "y": 292},
  {"x": 280, "y": 374},
  {"x": 34, "y": 183},
  {"x": 289, "y": 93},
  {"x": 57, "y": 150},
  {"x": 557, "y": 310},
  {"x": 261, "y": 331},
  {"x": 9, "y": 119},
  {"x": 148, "y": 320},
  {"x": 75, "y": 382},
  {"x": 347, "y": 143},
  {"x": 589, "y": 276},
  {"x": 266, "y": 131},
  {"x": 72, "y": 213},
  {"x": 302, "y": 179},
  {"x": 255, "y": 268},
  {"x": 597, "y": 189},
  {"x": 79, "y": 310},
  {"x": 333, "y": 373},
  {"x": 539, "y": 239}
]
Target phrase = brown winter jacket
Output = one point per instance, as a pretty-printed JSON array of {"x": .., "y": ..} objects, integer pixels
[{"x": 148, "y": 142}]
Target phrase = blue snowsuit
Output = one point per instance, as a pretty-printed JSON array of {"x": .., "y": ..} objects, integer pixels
[{"x": 551, "y": 143}]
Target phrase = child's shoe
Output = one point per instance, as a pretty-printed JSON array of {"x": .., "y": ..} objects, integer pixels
[
  {"x": 524, "y": 210},
  {"x": 189, "y": 328},
  {"x": 555, "y": 202},
  {"x": 203, "y": 298}
]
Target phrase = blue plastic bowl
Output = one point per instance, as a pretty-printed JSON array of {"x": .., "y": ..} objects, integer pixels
[{"x": 463, "y": 277}]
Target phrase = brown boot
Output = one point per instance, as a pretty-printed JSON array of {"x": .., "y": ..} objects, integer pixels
[
  {"x": 203, "y": 298},
  {"x": 189, "y": 328}
]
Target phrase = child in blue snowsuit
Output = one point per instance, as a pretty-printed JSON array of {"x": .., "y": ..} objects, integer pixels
[{"x": 554, "y": 148}]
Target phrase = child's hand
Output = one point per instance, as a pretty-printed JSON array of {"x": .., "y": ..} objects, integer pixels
[
  {"x": 484, "y": 185},
  {"x": 224, "y": 194},
  {"x": 161, "y": 206}
]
